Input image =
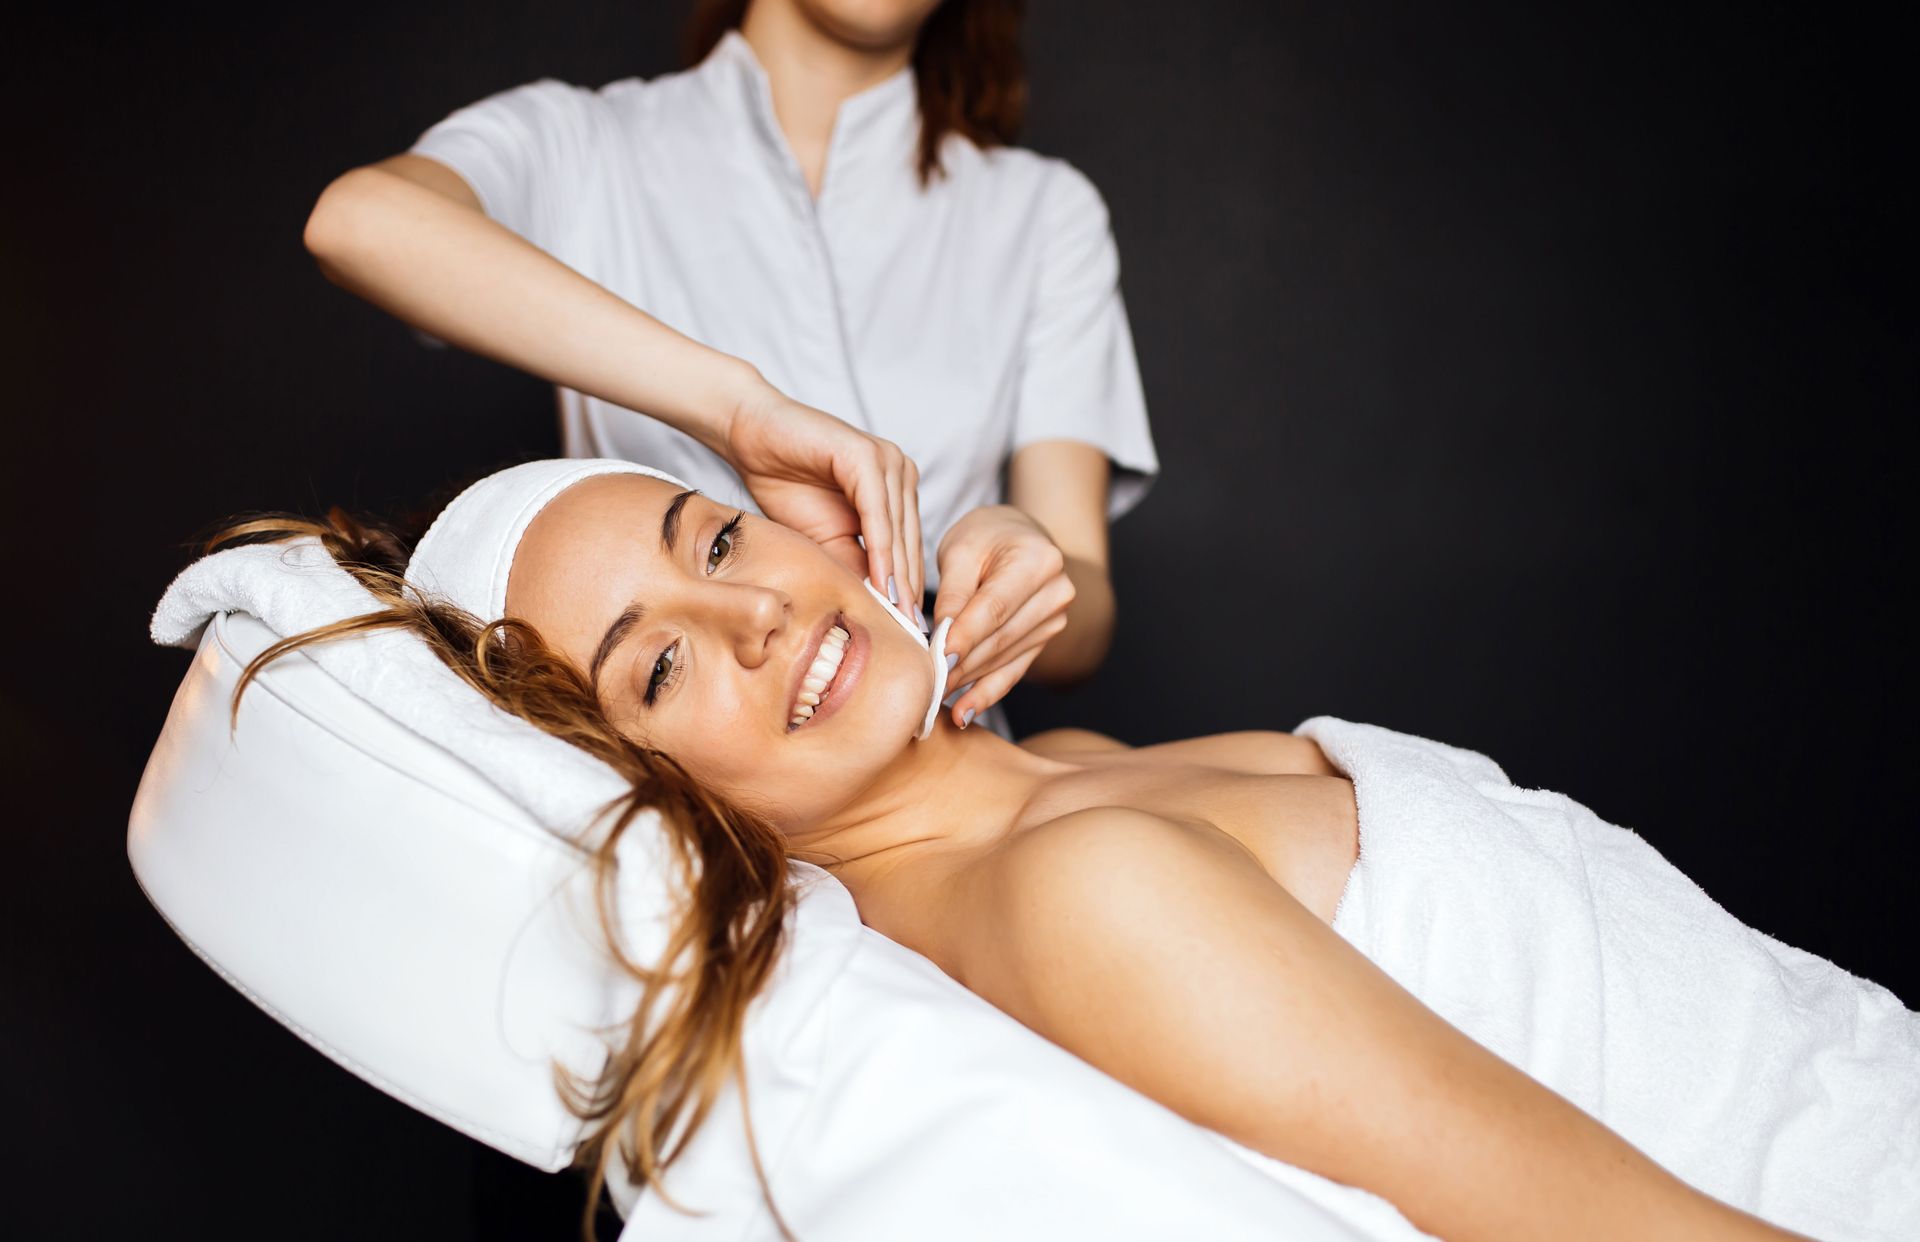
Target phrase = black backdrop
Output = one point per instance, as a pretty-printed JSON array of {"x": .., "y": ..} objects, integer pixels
[{"x": 1525, "y": 376}]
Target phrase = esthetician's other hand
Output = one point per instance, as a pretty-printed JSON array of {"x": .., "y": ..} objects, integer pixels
[
  {"x": 1005, "y": 583},
  {"x": 830, "y": 481}
]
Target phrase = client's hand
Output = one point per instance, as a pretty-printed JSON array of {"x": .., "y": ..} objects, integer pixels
[
  {"x": 1005, "y": 583},
  {"x": 830, "y": 481}
]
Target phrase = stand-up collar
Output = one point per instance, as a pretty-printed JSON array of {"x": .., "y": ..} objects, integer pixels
[{"x": 874, "y": 130}]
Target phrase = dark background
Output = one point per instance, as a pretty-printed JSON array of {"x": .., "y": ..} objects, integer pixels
[{"x": 1525, "y": 376}]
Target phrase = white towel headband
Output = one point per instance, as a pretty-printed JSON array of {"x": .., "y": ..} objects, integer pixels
[{"x": 466, "y": 554}]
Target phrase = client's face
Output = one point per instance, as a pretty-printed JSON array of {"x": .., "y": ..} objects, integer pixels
[{"x": 702, "y": 634}]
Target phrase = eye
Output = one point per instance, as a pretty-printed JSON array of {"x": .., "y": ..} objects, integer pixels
[
  {"x": 663, "y": 668},
  {"x": 725, "y": 543}
]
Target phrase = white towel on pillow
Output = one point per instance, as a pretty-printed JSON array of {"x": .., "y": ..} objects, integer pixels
[{"x": 296, "y": 586}]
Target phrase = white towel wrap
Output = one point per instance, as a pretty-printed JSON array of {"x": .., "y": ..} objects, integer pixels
[{"x": 1755, "y": 1071}]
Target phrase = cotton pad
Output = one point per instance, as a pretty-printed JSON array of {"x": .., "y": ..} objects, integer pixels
[{"x": 937, "y": 647}]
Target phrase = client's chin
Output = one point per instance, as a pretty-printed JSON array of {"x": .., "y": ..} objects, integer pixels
[{"x": 893, "y": 681}]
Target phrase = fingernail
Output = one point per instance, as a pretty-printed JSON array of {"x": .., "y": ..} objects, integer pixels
[
  {"x": 893, "y": 596},
  {"x": 953, "y": 658},
  {"x": 957, "y": 695},
  {"x": 966, "y": 718},
  {"x": 919, "y": 616}
]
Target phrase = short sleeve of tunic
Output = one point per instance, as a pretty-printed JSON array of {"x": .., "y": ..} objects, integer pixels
[
  {"x": 1079, "y": 379},
  {"x": 525, "y": 152}
]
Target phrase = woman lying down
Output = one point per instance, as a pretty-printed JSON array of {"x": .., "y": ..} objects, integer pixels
[{"x": 1359, "y": 952}]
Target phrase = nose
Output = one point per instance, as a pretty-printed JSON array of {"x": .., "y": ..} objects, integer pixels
[{"x": 750, "y": 618}]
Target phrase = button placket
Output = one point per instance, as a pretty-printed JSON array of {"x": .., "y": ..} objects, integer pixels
[{"x": 819, "y": 255}]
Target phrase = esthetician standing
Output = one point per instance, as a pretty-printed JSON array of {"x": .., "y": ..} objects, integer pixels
[{"x": 813, "y": 262}]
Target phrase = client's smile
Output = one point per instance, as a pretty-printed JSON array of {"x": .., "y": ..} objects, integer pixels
[{"x": 826, "y": 671}]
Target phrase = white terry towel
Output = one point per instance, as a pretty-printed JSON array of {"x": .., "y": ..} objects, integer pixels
[
  {"x": 296, "y": 586},
  {"x": 1759, "y": 1073}
]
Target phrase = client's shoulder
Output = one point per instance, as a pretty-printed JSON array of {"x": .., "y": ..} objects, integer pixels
[
  {"x": 1096, "y": 872},
  {"x": 1095, "y": 927},
  {"x": 1083, "y": 841}
]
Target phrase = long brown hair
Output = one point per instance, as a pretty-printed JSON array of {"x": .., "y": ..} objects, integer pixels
[
  {"x": 967, "y": 63},
  {"x": 668, "y": 1067}
]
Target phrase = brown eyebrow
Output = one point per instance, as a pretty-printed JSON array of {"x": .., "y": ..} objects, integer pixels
[
  {"x": 670, "y": 522},
  {"x": 634, "y": 613},
  {"x": 621, "y": 627}
]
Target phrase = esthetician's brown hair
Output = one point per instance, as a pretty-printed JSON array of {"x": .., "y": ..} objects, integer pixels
[
  {"x": 967, "y": 64},
  {"x": 668, "y": 1068}
]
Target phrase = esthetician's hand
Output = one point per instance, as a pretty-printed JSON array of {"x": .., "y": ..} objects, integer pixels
[
  {"x": 830, "y": 481},
  {"x": 1005, "y": 583}
]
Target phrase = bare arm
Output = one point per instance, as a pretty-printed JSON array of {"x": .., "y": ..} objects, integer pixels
[
  {"x": 408, "y": 234},
  {"x": 1062, "y": 485},
  {"x": 1163, "y": 954},
  {"x": 1025, "y": 583}
]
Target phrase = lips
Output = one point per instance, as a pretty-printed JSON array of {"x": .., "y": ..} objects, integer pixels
[
  {"x": 816, "y": 662},
  {"x": 819, "y": 675}
]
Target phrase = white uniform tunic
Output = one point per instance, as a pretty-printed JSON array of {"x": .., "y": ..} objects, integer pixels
[{"x": 960, "y": 321}]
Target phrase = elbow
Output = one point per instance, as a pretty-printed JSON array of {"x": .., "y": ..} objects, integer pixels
[{"x": 338, "y": 217}]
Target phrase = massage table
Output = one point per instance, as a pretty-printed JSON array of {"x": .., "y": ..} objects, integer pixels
[{"x": 387, "y": 903}]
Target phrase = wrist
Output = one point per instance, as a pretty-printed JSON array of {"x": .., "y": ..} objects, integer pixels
[
  {"x": 739, "y": 387},
  {"x": 964, "y": 525},
  {"x": 1010, "y": 512}
]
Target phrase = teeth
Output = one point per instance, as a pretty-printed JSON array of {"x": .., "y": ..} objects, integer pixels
[{"x": 813, "y": 687}]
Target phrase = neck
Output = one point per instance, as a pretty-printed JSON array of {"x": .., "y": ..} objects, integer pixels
[
  {"x": 811, "y": 72},
  {"x": 959, "y": 790}
]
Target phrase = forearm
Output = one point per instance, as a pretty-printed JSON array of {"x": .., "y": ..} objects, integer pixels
[
  {"x": 1061, "y": 486},
  {"x": 449, "y": 270},
  {"x": 1533, "y": 1165},
  {"x": 1076, "y": 652}
]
